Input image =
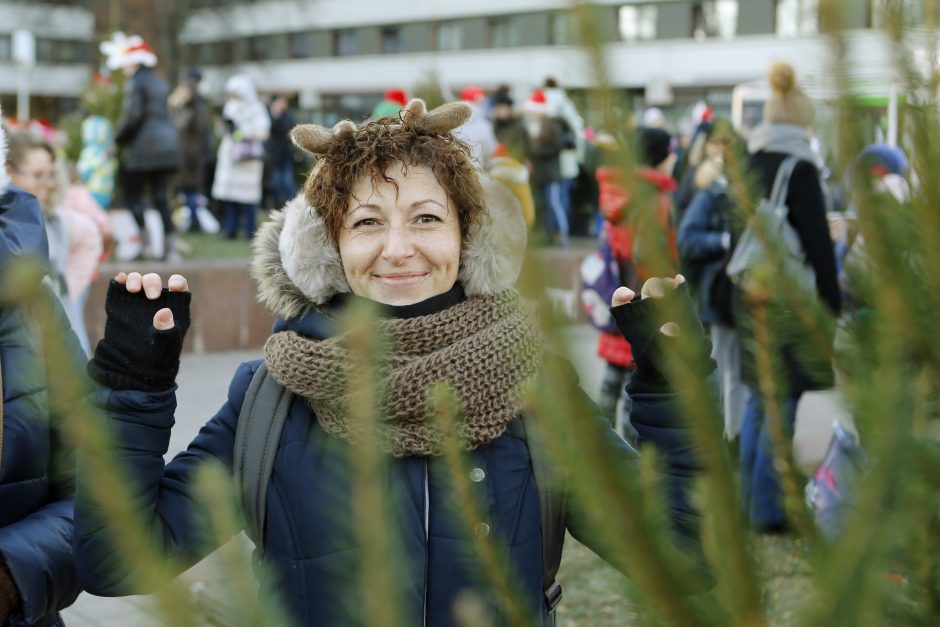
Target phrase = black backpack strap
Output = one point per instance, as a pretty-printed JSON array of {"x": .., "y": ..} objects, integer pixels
[
  {"x": 257, "y": 436},
  {"x": 552, "y": 506}
]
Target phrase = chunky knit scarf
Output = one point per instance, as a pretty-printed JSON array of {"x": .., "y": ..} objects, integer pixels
[{"x": 485, "y": 348}]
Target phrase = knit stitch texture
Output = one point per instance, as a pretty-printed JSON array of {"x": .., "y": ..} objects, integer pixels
[{"x": 485, "y": 349}]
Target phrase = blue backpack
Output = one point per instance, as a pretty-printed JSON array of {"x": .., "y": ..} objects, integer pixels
[{"x": 600, "y": 277}]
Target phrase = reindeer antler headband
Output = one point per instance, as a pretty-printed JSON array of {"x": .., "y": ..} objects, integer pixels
[{"x": 317, "y": 139}]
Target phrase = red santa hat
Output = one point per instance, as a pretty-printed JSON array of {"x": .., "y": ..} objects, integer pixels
[
  {"x": 472, "y": 94},
  {"x": 537, "y": 102},
  {"x": 398, "y": 96}
]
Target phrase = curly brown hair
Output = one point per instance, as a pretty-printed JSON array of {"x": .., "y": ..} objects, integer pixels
[{"x": 372, "y": 148}]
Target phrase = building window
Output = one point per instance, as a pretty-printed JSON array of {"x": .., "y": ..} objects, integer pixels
[
  {"x": 797, "y": 17},
  {"x": 6, "y": 49},
  {"x": 345, "y": 43},
  {"x": 71, "y": 51},
  {"x": 301, "y": 45},
  {"x": 504, "y": 32},
  {"x": 392, "y": 41},
  {"x": 563, "y": 29},
  {"x": 911, "y": 12},
  {"x": 449, "y": 36},
  {"x": 215, "y": 53},
  {"x": 715, "y": 19},
  {"x": 637, "y": 22}
]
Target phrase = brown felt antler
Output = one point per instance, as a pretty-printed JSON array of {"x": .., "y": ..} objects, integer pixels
[
  {"x": 441, "y": 120},
  {"x": 317, "y": 139}
]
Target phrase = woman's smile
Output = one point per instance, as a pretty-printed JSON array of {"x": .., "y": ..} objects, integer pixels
[{"x": 401, "y": 278}]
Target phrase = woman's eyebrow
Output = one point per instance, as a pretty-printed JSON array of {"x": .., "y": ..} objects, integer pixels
[
  {"x": 427, "y": 200},
  {"x": 366, "y": 206}
]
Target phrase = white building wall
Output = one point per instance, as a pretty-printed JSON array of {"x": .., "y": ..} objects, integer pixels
[
  {"x": 52, "y": 21},
  {"x": 47, "y": 20},
  {"x": 656, "y": 64}
]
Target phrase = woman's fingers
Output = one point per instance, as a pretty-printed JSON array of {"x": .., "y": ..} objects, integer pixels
[
  {"x": 121, "y": 278},
  {"x": 153, "y": 285},
  {"x": 177, "y": 283},
  {"x": 670, "y": 328},
  {"x": 133, "y": 282},
  {"x": 163, "y": 320},
  {"x": 622, "y": 296},
  {"x": 655, "y": 287}
]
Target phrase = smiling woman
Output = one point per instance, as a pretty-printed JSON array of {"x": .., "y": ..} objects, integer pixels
[{"x": 396, "y": 214}]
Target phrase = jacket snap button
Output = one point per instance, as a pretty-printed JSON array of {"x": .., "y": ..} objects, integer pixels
[
  {"x": 483, "y": 530},
  {"x": 477, "y": 475}
]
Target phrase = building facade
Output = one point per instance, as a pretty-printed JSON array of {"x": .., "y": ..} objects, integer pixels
[
  {"x": 64, "y": 33},
  {"x": 338, "y": 56}
]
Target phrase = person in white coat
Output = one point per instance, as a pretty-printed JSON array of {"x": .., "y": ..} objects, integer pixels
[
  {"x": 240, "y": 165},
  {"x": 570, "y": 159}
]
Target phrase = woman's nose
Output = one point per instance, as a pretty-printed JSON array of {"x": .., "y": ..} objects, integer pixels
[{"x": 398, "y": 245}]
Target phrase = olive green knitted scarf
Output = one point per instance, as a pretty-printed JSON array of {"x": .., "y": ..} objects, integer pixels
[{"x": 485, "y": 348}]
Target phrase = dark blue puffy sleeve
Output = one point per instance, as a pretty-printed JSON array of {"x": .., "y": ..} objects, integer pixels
[{"x": 175, "y": 522}]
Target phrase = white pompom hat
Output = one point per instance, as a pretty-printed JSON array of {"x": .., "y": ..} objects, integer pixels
[{"x": 122, "y": 51}]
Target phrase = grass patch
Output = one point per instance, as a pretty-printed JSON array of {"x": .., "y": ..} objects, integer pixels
[
  {"x": 205, "y": 246},
  {"x": 595, "y": 595}
]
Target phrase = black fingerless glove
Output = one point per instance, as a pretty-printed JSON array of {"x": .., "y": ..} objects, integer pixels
[
  {"x": 639, "y": 324},
  {"x": 133, "y": 354}
]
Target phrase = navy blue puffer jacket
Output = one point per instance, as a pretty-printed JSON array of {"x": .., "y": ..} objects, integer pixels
[
  {"x": 310, "y": 543},
  {"x": 36, "y": 469}
]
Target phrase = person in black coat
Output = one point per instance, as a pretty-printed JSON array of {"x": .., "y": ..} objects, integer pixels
[
  {"x": 788, "y": 115},
  {"x": 191, "y": 118},
  {"x": 148, "y": 136},
  {"x": 280, "y": 153}
]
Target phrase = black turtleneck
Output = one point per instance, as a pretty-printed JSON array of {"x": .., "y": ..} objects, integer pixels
[{"x": 428, "y": 306}]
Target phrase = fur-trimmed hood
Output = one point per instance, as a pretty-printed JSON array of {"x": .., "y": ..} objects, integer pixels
[
  {"x": 4, "y": 175},
  {"x": 298, "y": 268}
]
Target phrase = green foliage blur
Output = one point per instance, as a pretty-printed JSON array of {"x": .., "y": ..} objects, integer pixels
[{"x": 884, "y": 568}]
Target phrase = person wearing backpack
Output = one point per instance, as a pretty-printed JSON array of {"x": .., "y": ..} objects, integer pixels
[
  {"x": 788, "y": 117},
  {"x": 436, "y": 248},
  {"x": 705, "y": 243}
]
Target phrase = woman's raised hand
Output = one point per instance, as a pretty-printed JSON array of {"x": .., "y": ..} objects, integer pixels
[
  {"x": 144, "y": 332},
  {"x": 152, "y": 286},
  {"x": 640, "y": 324},
  {"x": 655, "y": 287}
]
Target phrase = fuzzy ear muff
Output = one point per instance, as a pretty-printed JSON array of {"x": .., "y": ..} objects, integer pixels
[
  {"x": 493, "y": 252},
  {"x": 443, "y": 119},
  {"x": 310, "y": 259},
  {"x": 295, "y": 263}
]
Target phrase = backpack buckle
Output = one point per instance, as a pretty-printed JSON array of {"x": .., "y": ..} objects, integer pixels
[{"x": 553, "y": 596}]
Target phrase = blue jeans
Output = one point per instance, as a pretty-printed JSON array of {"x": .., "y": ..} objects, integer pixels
[
  {"x": 192, "y": 202},
  {"x": 282, "y": 183},
  {"x": 557, "y": 211},
  {"x": 761, "y": 493},
  {"x": 231, "y": 216}
]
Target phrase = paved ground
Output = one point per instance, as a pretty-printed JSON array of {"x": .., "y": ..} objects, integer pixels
[{"x": 203, "y": 382}]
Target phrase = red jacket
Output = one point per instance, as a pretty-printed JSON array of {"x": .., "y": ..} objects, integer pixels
[{"x": 615, "y": 205}]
